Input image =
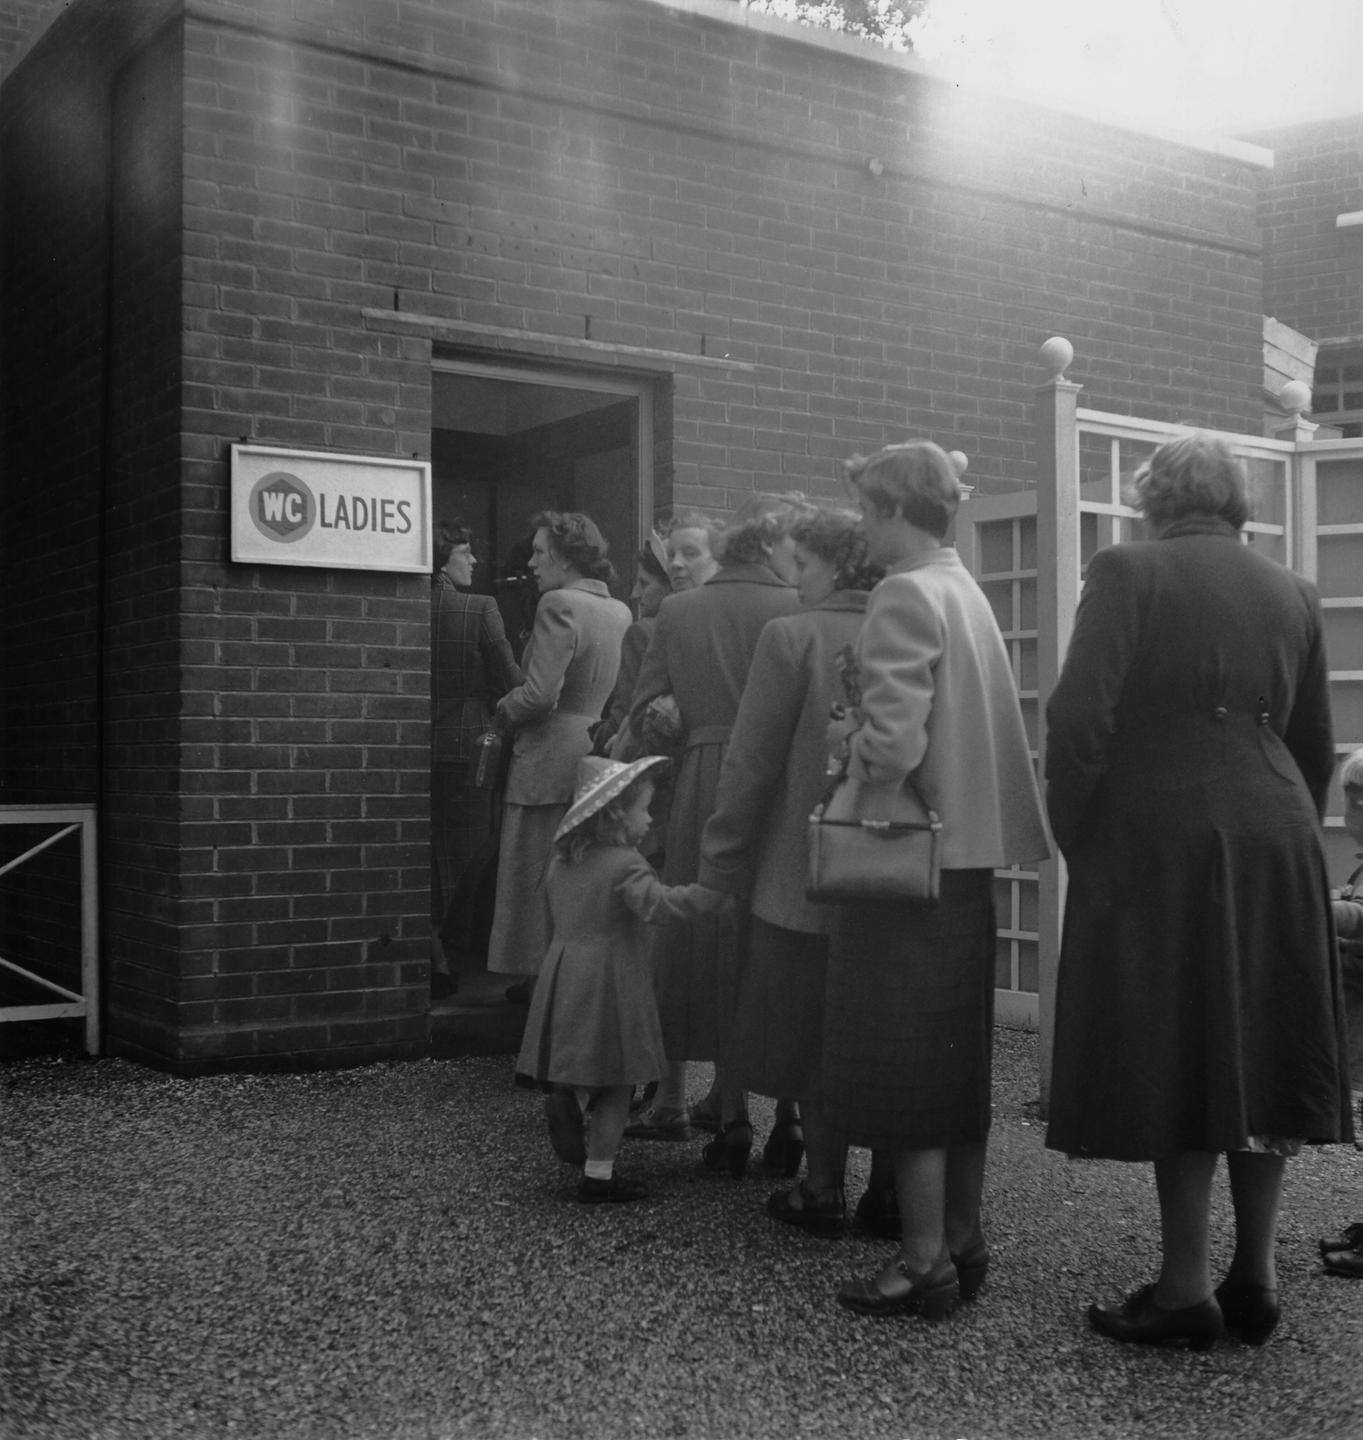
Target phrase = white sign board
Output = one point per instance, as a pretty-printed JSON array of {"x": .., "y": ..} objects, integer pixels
[{"x": 345, "y": 512}]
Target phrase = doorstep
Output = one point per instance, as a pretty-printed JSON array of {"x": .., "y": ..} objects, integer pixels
[{"x": 477, "y": 1020}]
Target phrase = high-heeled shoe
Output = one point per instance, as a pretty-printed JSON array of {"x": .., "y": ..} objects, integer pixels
[
  {"x": 785, "y": 1148},
  {"x": 877, "y": 1212},
  {"x": 1250, "y": 1311},
  {"x": 1139, "y": 1318},
  {"x": 934, "y": 1296},
  {"x": 729, "y": 1149},
  {"x": 971, "y": 1268},
  {"x": 819, "y": 1212}
]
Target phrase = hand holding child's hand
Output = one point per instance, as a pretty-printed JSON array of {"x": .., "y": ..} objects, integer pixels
[
  {"x": 842, "y": 726},
  {"x": 715, "y": 902}
]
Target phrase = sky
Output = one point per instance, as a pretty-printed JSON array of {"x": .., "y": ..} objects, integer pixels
[{"x": 1212, "y": 66}]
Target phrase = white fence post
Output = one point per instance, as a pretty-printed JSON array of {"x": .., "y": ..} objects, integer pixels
[{"x": 1057, "y": 546}]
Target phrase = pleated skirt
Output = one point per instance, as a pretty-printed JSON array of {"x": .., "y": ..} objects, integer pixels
[{"x": 909, "y": 1018}]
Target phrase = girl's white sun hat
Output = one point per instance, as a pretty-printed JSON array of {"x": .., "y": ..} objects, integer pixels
[{"x": 599, "y": 781}]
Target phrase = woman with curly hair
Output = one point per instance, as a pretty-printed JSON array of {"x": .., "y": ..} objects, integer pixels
[
  {"x": 700, "y": 654},
  {"x": 570, "y": 664},
  {"x": 755, "y": 845}
]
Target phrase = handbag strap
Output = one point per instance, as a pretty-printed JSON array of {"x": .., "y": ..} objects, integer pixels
[{"x": 933, "y": 822}]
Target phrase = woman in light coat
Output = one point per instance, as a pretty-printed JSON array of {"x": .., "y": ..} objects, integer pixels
[
  {"x": 908, "y": 1038},
  {"x": 570, "y": 665}
]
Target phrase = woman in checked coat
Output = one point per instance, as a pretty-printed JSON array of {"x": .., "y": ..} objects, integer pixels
[
  {"x": 471, "y": 666},
  {"x": 1199, "y": 1004}
]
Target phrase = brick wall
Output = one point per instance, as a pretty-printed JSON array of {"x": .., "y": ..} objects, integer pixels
[
  {"x": 21, "y": 23},
  {"x": 1313, "y": 272},
  {"x": 661, "y": 180}
]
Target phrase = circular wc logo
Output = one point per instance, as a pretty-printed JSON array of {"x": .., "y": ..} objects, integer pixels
[{"x": 282, "y": 507}]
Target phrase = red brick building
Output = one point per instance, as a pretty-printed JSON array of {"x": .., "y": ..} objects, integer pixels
[{"x": 613, "y": 255}]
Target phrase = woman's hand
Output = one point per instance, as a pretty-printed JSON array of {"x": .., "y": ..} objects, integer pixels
[{"x": 843, "y": 724}]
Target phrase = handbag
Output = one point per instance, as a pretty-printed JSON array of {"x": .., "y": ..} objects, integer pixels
[
  {"x": 873, "y": 842},
  {"x": 487, "y": 769}
]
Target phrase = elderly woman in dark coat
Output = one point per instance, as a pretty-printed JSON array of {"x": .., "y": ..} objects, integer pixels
[
  {"x": 1198, "y": 1009},
  {"x": 471, "y": 666},
  {"x": 570, "y": 664},
  {"x": 756, "y": 844},
  {"x": 700, "y": 654}
]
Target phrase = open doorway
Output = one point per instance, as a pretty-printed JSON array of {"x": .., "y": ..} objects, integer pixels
[{"x": 508, "y": 441}]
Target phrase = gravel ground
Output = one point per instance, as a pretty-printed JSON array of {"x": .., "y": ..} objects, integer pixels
[{"x": 394, "y": 1252}]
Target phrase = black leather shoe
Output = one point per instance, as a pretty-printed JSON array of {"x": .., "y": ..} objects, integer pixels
[
  {"x": 615, "y": 1191},
  {"x": 1345, "y": 1263},
  {"x": 1250, "y": 1311},
  {"x": 877, "y": 1213},
  {"x": 729, "y": 1149},
  {"x": 821, "y": 1213},
  {"x": 972, "y": 1267},
  {"x": 1139, "y": 1319},
  {"x": 785, "y": 1148},
  {"x": 934, "y": 1296},
  {"x": 1350, "y": 1238}
]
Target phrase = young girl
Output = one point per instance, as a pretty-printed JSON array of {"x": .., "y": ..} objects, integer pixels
[{"x": 593, "y": 1030}]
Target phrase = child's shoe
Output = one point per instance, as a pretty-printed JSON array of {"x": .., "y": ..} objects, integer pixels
[
  {"x": 615, "y": 1191},
  {"x": 564, "y": 1115},
  {"x": 655, "y": 1124}
]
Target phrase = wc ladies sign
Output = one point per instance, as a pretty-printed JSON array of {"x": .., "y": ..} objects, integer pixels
[{"x": 345, "y": 512}]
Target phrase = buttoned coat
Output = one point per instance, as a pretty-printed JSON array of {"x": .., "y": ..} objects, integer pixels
[
  {"x": 471, "y": 668},
  {"x": 700, "y": 653},
  {"x": 940, "y": 704},
  {"x": 1188, "y": 754},
  {"x": 570, "y": 665},
  {"x": 774, "y": 769}
]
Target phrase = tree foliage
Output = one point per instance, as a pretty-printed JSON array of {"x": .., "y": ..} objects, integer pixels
[{"x": 887, "y": 22}]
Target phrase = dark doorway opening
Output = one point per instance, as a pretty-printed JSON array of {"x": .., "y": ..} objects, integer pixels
[{"x": 506, "y": 443}]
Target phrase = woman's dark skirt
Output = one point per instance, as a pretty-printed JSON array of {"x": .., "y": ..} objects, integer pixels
[
  {"x": 776, "y": 1044},
  {"x": 909, "y": 1018},
  {"x": 463, "y": 845}
]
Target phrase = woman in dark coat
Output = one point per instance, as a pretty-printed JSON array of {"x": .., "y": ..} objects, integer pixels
[
  {"x": 700, "y": 654},
  {"x": 570, "y": 663},
  {"x": 1199, "y": 1005},
  {"x": 756, "y": 845},
  {"x": 471, "y": 666}
]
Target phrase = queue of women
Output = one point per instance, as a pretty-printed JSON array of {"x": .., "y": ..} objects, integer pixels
[{"x": 651, "y": 893}]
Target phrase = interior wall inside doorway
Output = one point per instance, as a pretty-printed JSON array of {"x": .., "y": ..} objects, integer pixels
[{"x": 502, "y": 450}]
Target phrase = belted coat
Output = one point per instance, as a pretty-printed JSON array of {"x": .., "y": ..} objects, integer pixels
[
  {"x": 1188, "y": 752},
  {"x": 570, "y": 666},
  {"x": 700, "y": 653}
]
